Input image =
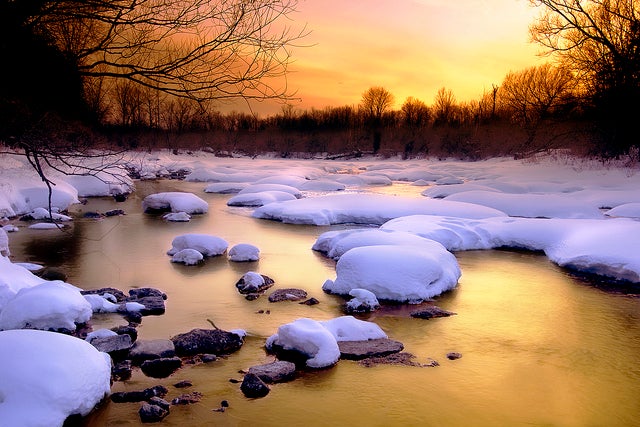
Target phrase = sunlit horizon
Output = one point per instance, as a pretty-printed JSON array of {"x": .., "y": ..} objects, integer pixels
[{"x": 409, "y": 47}]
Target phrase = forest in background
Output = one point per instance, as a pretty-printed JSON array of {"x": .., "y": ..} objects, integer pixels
[{"x": 124, "y": 75}]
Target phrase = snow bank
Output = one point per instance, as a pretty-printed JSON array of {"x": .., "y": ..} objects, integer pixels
[
  {"x": 49, "y": 306},
  {"x": 175, "y": 202},
  {"x": 365, "y": 209},
  {"x": 529, "y": 205},
  {"x": 101, "y": 185},
  {"x": 48, "y": 376},
  {"x": 396, "y": 273},
  {"x": 206, "y": 244},
  {"x": 309, "y": 337}
]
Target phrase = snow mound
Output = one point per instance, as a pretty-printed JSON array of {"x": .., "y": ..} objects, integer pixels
[
  {"x": 348, "y": 328},
  {"x": 50, "y": 305},
  {"x": 102, "y": 185},
  {"x": 187, "y": 257},
  {"x": 530, "y": 205},
  {"x": 225, "y": 187},
  {"x": 206, "y": 244},
  {"x": 14, "y": 277},
  {"x": 628, "y": 210},
  {"x": 335, "y": 243},
  {"x": 309, "y": 337},
  {"x": 244, "y": 252},
  {"x": 259, "y": 199},
  {"x": 177, "y": 217},
  {"x": 365, "y": 209},
  {"x": 47, "y": 376},
  {"x": 259, "y": 188},
  {"x": 175, "y": 201},
  {"x": 396, "y": 273}
]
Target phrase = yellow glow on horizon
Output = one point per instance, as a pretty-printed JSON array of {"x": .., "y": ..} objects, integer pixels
[{"x": 410, "y": 47}]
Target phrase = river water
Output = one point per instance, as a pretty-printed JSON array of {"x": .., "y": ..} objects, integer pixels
[{"x": 539, "y": 347}]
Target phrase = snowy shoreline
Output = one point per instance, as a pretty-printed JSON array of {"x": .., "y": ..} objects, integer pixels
[{"x": 583, "y": 218}]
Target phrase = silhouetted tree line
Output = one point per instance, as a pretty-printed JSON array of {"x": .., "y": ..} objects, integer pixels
[{"x": 127, "y": 66}]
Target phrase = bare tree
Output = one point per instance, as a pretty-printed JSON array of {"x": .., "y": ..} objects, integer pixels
[
  {"x": 375, "y": 102},
  {"x": 444, "y": 106},
  {"x": 202, "y": 49},
  {"x": 600, "y": 41},
  {"x": 415, "y": 113}
]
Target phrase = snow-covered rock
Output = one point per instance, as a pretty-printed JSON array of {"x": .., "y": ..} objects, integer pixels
[
  {"x": 244, "y": 252},
  {"x": 175, "y": 201},
  {"x": 308, "y": 337},
  {"x": 47, "y": 376},
  {"x": 49, "y": 305},
  {"x": 206, "y": 244},
  {"x": 348, "y": 328},
  {"x": 188, "y": 257},
  {"x": 177, "y": 217},
  {"x": 260, "y": 198},
  {"x": 396, "y": 273}
]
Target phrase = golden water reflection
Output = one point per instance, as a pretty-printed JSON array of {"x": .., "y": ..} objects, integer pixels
[{"x": 539, "y": 347}]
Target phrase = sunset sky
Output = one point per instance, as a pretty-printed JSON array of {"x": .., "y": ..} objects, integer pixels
[{"x": 410, "y": 47}]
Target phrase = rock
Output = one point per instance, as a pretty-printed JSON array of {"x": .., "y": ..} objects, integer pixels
[
  {"x": 51, "y": 273},
  {"x": 152, "y": 299},
  {"x": 310, "y": 301},
  {"x": 93, "y": 215},
  {"x": 288, "y": 294},
  {"x": 117, "y": 293},
  {"x": 431, "y": 312},
  {"x": 155, "y": 400},
  {"x": 151, "y": 349},
  {"x": 152, "y": 413},
  {"x": 117, "y": 346},
  {"x": 252, "y": 282},
  {"x": 138, "y": 293},
  {"x": 454, "y": 356},
  {"x": 162, "y": 367},
  {"x": 252, "y": 296},
  {"x": 206, "y": 341},
  {"x": 403, "y": 358},
  {"x": 121, "y": 371},
  {"x": 127, "y": 330},
  {"x": 153, "y": 305},
  {"x": 208, "y": 358},
  {"x": 275, "y": 372},
  {"x": 357, "y": 350},
  {"x": 187, "y": 399},
  {"x": 114, "y": 212},
  {"x": 183, "y": 384},
  {"x": 139, "y": 396},
  {"x": 133, "y": 317},
  {"x": 253, "y": 387},
  {"x": 120, "y": 197}
]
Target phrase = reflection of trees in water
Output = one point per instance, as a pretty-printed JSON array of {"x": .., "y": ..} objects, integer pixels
[{"x": 56, "y": 248}]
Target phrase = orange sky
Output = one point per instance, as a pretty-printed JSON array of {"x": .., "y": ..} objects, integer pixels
[{"x": 410, "y": 47}]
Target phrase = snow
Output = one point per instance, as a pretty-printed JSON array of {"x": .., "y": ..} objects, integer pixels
[
  {"x": 362, "y": 297},
  {"x": 45, "y": 226},
  {"x": 175, "y": 201},
  {"x": 225, "y": 187},
  {"x": 628, "y": 210},
  {"x": 13, "y": 278},
  {"x": 259, "y": 199},
  {"x": 50, "y": 305},
  {"x": 259, "y": 188},
  {"x": 100, "y": 304},
  {"x": 252, "y": 281},
  {"x": 42, "y": 213},
  {"x": 244, "y": 252},
  {"x": 102, "y": 184},
  {"x": 529, "y": 205},
  {"x": 4, "y": 244},
  {"x": 348, "y": 328},
  {"x": 206, "y": 244},
  {"x": 365, "y": 209},
  {"x": 396, "y": 272},
  {"x": 48, "y": 376},
  {"x": 100, "y": 333},
  {"x": 319, "y": 340},
  {"x": 177, "y": 217},
  {"x": 187, "y": 256}
]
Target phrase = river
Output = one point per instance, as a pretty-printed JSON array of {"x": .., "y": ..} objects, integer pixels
[{"x": 539, "y": 346}]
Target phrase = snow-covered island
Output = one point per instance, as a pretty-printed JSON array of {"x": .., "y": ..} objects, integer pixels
[{"x": 401, "y": 248}]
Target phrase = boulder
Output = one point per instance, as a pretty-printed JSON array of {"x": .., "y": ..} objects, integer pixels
[
  {"x": 117, "y": 293},
  {"x": 139, "y": 396},
  {"x": 121, "y": 371},
  {"x": 150, "y": 413},
  {"x": 206, "y": 341},
  {"x": 126, "y": 330},
  {"x": 454, "y": 355},
  {"x": 162, "y": 367},
  {"x": 358, "y": 350},
  {"x": 252, "y": 282},
  {"x": 138, "y": 293},
  {"x": 183, "y": 384},
  {"x": 288, "y": 294},
  {"x": 151, "y": 349},
  {"x": 153, "y": 305},
  {"x": 430, "y": 312},
  {"x": 117, "y": 346},
  {"x": 253, "y": 387},
  {"x": 275, "y": 372},
  {"x": 310, "y": 301}
]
